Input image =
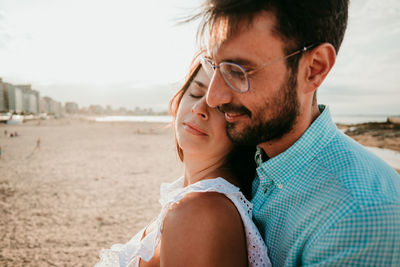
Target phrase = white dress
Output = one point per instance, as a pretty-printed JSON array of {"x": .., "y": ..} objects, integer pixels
[{"x": 127, "y": 255}]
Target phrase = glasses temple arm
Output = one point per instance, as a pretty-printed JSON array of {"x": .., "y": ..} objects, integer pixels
[{"x": 304, "y": 49}]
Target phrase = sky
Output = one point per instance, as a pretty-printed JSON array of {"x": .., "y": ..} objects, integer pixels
[{"x": 129, "y": 53}]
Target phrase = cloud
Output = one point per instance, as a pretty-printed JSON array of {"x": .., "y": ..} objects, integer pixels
[
  {"x": 4, "y": 35},
  {"x": 110, "y": 57},
  {"x": 365, "y": 77},
  {"x": 346, "y": 100}
]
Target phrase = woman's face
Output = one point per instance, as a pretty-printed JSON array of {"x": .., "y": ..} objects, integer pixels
[{"x": 200, "y": 130}]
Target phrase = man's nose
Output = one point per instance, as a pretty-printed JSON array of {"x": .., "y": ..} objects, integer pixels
[{"x": 218, "y": 92}]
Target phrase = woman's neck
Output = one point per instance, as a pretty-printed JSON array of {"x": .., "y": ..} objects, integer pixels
[{"x": 197, "y": 169}]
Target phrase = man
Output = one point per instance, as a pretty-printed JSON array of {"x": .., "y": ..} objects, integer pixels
[{"x": 319, "y": 198}]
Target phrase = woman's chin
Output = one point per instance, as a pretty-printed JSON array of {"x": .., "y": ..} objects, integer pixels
[{"x": 197, "y": 150}]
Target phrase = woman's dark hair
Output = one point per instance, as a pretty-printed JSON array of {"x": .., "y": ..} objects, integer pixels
[
  {"x": 176, "y": 99},
  {"x": 240, "y": 160},
  {"x": 241, "y": 163}
]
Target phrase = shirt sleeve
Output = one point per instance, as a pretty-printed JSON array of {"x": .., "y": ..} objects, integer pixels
[{"x": 368, "y": 236}]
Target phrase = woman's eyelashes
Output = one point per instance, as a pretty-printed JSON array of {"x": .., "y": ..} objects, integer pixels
[
  {"x": 195, "y": 95},
  {"x": 195, "y": 92},
  {"x": 197, "y": 89}
]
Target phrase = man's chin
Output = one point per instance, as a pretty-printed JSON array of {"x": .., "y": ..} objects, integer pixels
[{"x": 238, "y": 133}]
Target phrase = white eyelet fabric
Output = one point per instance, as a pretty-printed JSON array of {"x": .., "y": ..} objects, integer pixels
[{"x": 127, "y": 255}]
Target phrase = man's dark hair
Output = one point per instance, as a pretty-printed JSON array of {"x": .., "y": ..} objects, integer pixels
[{"x": 299, "y": 23}]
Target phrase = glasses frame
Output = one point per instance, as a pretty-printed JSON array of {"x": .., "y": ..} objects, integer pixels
[{"x": 205, "y": 60}]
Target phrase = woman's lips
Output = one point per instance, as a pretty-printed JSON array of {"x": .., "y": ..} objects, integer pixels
[{"x": 193, "y": 129}]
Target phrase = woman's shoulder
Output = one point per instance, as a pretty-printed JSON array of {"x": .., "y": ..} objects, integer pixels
[
  {"x": 206, "y": 224},
  {"x": 208, "y": 204},
  {"x": 212, "y": 212}
]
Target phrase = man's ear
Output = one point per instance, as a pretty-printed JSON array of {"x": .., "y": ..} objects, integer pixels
[{"x": 319, "y": 61}]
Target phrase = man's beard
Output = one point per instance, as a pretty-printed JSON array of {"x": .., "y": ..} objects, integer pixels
[{"x": 260, "y": 131}]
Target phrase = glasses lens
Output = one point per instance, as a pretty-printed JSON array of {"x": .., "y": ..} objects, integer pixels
[
  {"x": 235, "y": 76},
  {"x": 208, "y": 67}
]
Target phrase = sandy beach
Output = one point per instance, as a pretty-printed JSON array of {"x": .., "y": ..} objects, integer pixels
[
  {"x": 88, "y": 186},
  {"x": 377, "y": 134}
]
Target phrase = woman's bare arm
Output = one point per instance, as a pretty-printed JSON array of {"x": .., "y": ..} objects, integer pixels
[{"x": 203, "y": 229}]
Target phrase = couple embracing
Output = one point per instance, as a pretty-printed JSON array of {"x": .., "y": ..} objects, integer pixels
[{"x": 268, "y": 178}]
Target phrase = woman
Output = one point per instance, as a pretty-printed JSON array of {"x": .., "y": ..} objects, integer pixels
[{"x": 205, "y": 220}]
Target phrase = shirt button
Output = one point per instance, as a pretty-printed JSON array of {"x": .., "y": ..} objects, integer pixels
[{"x": 280, "y": 186}]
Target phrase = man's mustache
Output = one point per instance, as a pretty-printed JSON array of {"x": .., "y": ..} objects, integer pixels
[{"x": 229, "y": 108}]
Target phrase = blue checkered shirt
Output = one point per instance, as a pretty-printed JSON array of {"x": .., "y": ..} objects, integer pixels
[{"x": 326, "y": 201}]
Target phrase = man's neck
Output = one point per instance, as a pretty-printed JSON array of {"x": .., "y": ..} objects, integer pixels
[{"x": 304, "y": 120}]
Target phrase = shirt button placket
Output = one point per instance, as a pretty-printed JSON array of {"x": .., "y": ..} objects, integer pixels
[
  {"x": 268, "y": 185},
  {"x": 266, "y": 189}
]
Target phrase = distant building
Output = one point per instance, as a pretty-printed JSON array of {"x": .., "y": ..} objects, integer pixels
[
  {"x": 84, "y": 111},
  {"x": 20, "y": 98},
  {"x": 109, "y": 110},
  {"x": 11, "y": 98},
  {"x": 57, "y": 109},
  {"x": 26, "y": 96},
  {"x": 46, "y": 104},
  {"x": 34, "y": 102},
  {"x": 51, "y": 107},
  {"x": 15, "y": 99},
  {"x": 122, "y": 111},
  {"x": 3, "y": 96},
  {"x": 71, "y": 107},
  {"x": 96, "y": 110},
  {"x": 144, "y": 111},
  {"x": 43, "y": 105}
]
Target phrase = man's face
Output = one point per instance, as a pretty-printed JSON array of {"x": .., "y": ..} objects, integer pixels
[{"x": 270, "y": 108}]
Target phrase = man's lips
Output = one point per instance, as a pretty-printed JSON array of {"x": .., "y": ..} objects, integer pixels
[
  {"x": 231, "y": 117},
  {"x": 194, "y": 129},
  {"x": 234, "y": 113}
]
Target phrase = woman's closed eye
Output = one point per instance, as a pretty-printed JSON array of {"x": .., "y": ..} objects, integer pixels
[
  {"x": 195, "y": 95},
  {"x": 197, "y": 89}
]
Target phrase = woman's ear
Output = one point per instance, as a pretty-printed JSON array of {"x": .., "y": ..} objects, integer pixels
[{"x": 319, "y": 61}]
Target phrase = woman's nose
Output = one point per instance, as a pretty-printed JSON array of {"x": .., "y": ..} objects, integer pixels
[{"x": 200, "y": 108}]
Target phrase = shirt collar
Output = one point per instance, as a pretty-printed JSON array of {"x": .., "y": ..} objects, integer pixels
[{"x": 282, "y": 167}]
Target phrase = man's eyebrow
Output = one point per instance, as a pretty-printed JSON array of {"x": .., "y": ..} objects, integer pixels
[
  {"x": 241, "y": 61},
  {"x": 238, "y": 60}
]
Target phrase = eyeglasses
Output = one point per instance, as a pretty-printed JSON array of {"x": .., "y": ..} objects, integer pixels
[{"x": 235, "y": 75}]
